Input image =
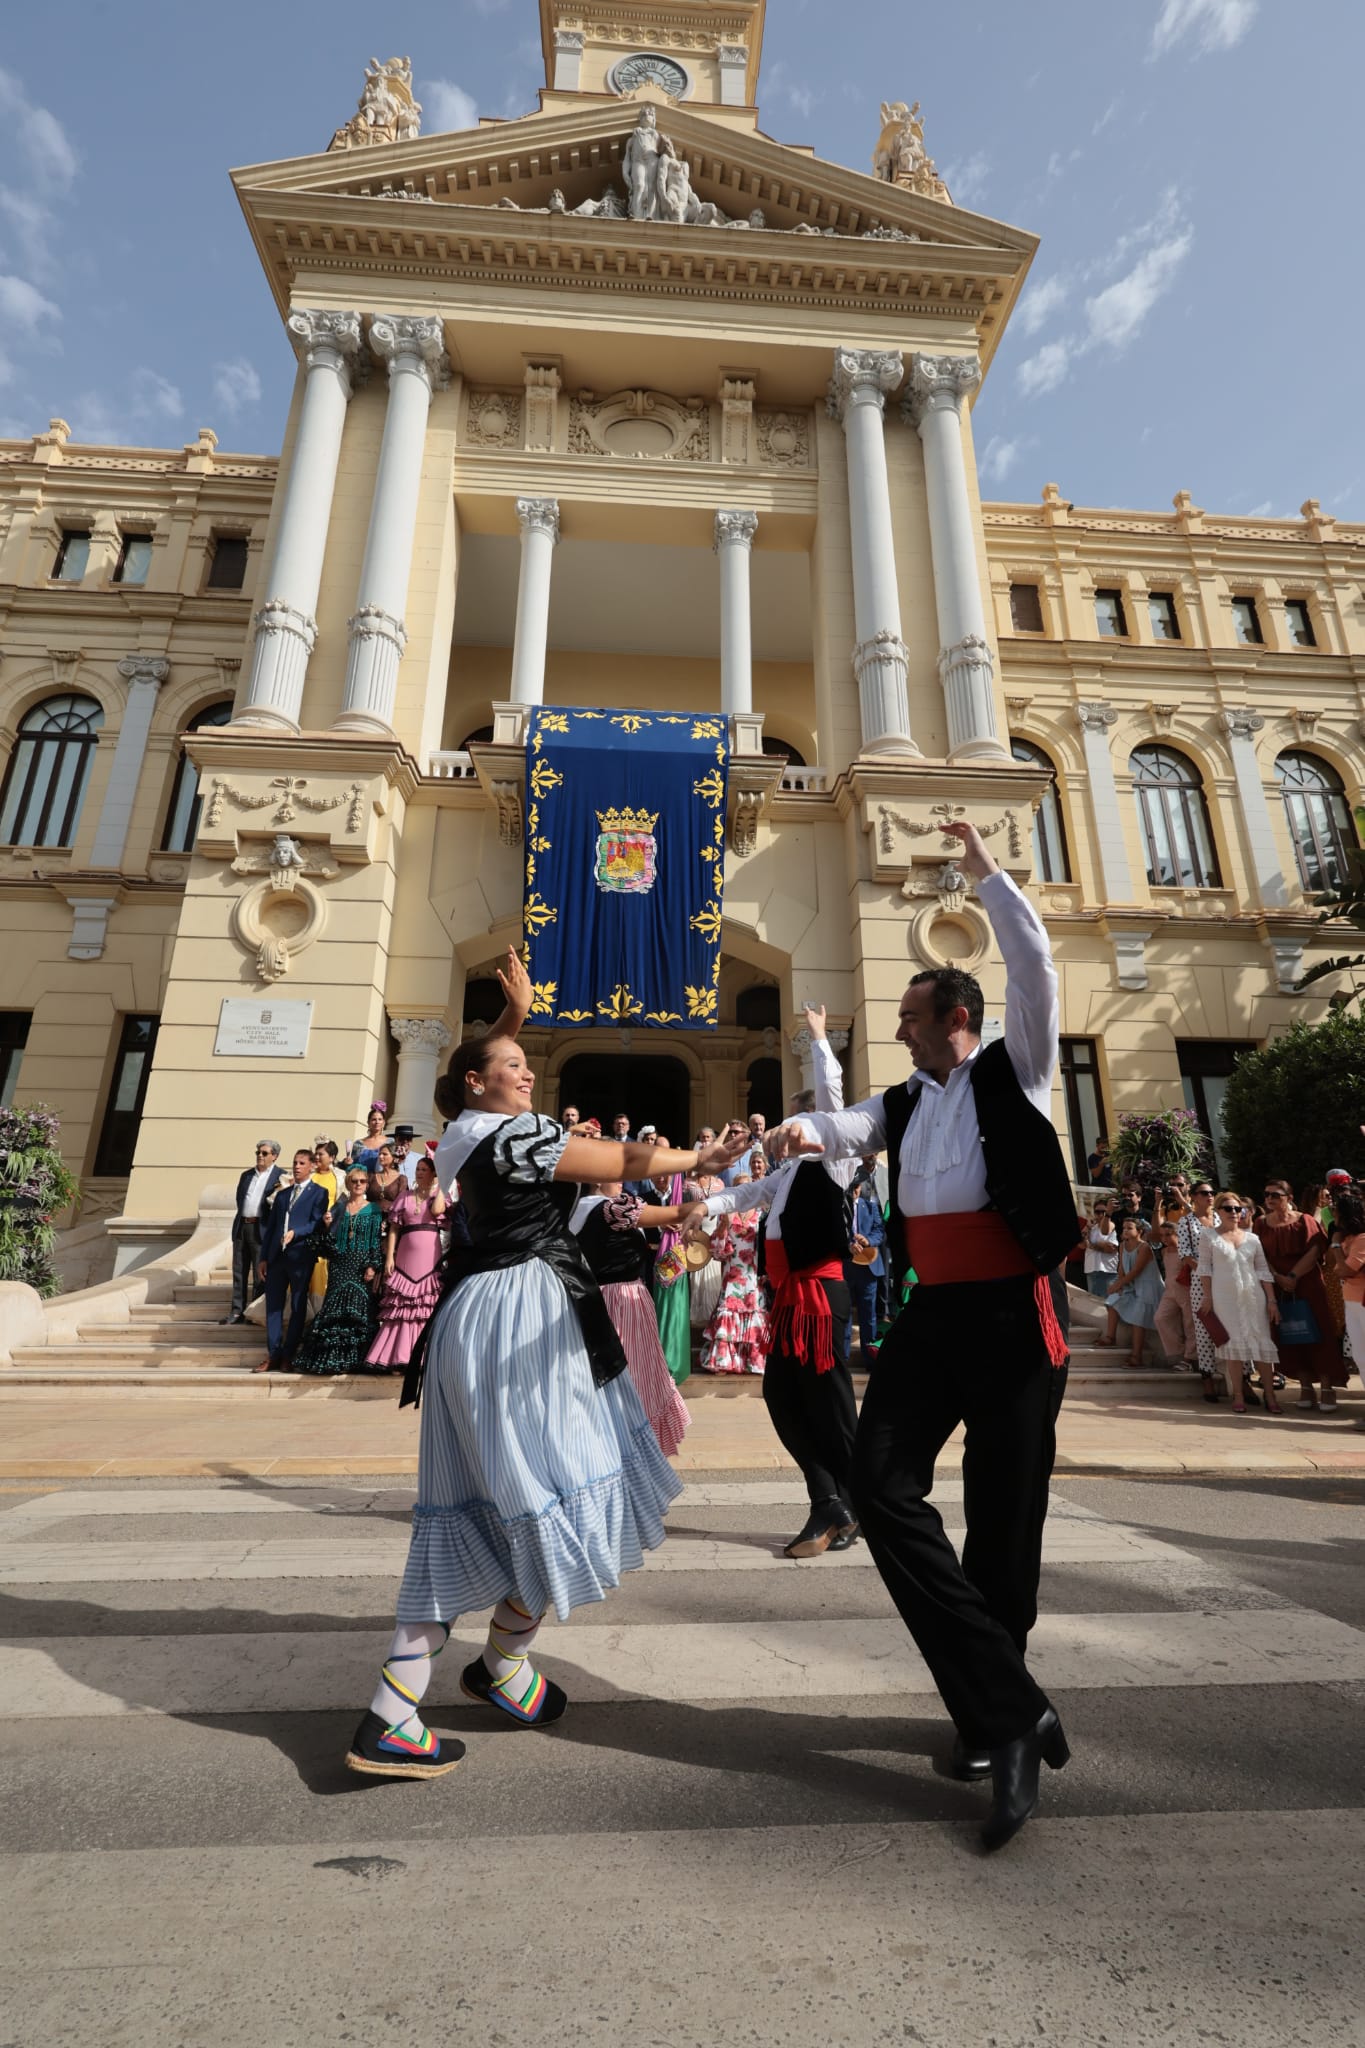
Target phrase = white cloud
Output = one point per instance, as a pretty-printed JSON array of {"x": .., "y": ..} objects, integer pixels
[
  {"x": 24, "y": 304},
  {"x": 1000, "y": 457},
  {"x": 1040, "y": 302},
  {"x": 236, "y": 384},
  {"x": 1213, "y": 25},
  {"x": 1046, "y": 369},
  {"x": 967, "y": 180},
  {"x": 41, "y": 134},
  {"x": 803, "y": 100},
  {"x": 1107, "y": 116},
  {"x": 155, "y": 397},
  {"x": 1261, "y": 511},
  {"x": 446, "y": 106},
  {"x": 1115, "y": 315}
]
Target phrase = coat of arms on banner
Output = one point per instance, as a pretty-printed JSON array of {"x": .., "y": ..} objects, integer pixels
[{"x": 627, "y": 853}]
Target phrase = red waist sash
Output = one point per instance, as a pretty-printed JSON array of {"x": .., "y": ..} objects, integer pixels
[
  {"x": 801, "y": 1324},
  {"x": 977, "y": 1244}
]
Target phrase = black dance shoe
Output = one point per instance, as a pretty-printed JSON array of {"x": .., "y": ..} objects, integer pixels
[
  {"x": 820, "y": 1531},
  {"x": 968, "y": 1763},
  {"x": 846, "y": 1538},
  {"x": 1014, "y": 1774},
  {"x": 381, "y": 1752},
  {"x": 545, "y": 1702}
]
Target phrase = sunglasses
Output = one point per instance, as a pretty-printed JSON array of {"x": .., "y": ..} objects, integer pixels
[
  {"x": 1274, "y": 1195},
  {"x": 264, "y": 1152},
  {"x": 1230, "y": 1209}
]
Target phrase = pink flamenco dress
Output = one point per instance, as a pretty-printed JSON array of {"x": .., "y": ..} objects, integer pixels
[
  {"x": 412, "y": 1289},
  {"x": 737, "y": 1335}
]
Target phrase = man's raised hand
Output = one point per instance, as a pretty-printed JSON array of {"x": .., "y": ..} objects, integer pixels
[
  {"x": 974, "y": 858},
  {"x": 790, "y": 1141},
  {"x": 815, "y": 1020}
]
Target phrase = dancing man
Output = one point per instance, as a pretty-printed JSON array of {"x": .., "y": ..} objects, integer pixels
[
  {"x": 807, "y": 1387},
  {"x": 539, "y": 1477},
  {"x": 982, "y": 1208}
]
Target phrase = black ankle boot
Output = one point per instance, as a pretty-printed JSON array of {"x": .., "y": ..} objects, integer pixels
[
  {"x": 1014, "y": 1775},
  {"x": 968, "y": 1763}
]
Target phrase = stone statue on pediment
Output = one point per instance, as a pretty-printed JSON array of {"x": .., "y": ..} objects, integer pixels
[
  {"x": 640, "y": 160},
  {"x": 387, "y": 111},
  {"x": 900, "y": 157}
]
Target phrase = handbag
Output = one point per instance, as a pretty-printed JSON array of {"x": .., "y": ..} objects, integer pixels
[
  {"x": 1212, "y": 1323},
  {"x": 1298, "y": 1324}
]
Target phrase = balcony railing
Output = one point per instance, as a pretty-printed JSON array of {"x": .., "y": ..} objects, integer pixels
[
  {"x": 803, "y": 781},
  {"x": 450, "y": 765}
]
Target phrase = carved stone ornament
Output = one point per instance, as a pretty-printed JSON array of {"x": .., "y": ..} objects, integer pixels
[
  {"x": 900, "y": 157},
  {"x": 1162, "y": 716},
  {"x": 387, "y": 111},
  {"x": 890, "y": 822},
  {"x": 493, "y": 419},
  {"x": 744, "y": 823},
  {"x": 783, "y": 439},
  {"x": 948, "y": 884},
  {"x": 734, "y": 529},
  {"x": 284, "y": 913},
  {"x": 1288, "y": 957},
  {"x": 330, "y": 341},
  {"x": 641, "y": 426},
  {"x": 1093, "y": 715},
  {"x": 862, "y": 376},
  {"x": 938, "y": 384},
  {"x": 1130, "y": 958},
  {"x": 427, "y": 1034},
  {"x": 412, "y": 344},
  {"x": 507, "y": 796},
  {"x": 1240, "y": 724},
  {"x": 144, "y": 668},
  {"x": 659, "y": 181},
  {"x": 1305, "y": 722},
  {"x": 539, "y": 515},
  {"x": 292, "y": 798}
]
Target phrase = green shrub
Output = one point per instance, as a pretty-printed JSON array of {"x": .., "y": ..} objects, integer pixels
[
  {"x": 35, "y": 1187},
  {"x": 1293, "y": 1109}
]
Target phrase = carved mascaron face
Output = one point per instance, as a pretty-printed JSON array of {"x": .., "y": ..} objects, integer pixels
[{"x": 648, "y": 69}]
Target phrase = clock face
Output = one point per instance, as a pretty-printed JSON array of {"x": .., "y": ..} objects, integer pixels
[{"x": 648, "y": 69}]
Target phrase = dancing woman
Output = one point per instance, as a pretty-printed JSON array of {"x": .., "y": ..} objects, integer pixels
[
  {"x": 539, "y": 1479},
  {"x": 611, "y": 1226},
  {"x": 412, "y": 1282}
]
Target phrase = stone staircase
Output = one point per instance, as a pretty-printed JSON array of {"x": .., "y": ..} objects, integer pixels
[{"x": 180, "y": 1348}]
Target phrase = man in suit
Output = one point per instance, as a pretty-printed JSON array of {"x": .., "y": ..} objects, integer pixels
[
  {"x": 862, "y": 1274},
  {"x": 297, "y": 1209},
  {"x": 254, "y": 1188}
]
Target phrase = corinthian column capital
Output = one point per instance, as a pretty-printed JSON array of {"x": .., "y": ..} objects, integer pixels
[
  {"x": 328, "y": 341},
  {"x": 428, "y": 1034},
  {"x": 939, "y": 384},
  {"x": 412, "y": 342},
  {"x": 539, "y": 515},
  {"x": 735, "y": 529},
  {"x": 862, "y": 376}
]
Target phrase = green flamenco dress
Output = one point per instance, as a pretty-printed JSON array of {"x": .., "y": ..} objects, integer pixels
[
  {"x": 343, "y": 1329},
  {"x": 671, "y": 1300}
]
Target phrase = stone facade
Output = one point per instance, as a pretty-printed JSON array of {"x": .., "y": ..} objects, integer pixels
[{"x": 542, "y": 451}]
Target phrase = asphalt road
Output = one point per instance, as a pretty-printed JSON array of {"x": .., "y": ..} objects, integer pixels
[{"x": 742, "y": 1832}]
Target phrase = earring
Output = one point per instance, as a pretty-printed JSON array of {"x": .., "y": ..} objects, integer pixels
[{"x": 477, "y": 1089}]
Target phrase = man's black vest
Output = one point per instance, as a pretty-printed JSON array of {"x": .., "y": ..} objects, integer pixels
[
  {"x": 815, "y": 1224},
  {"x": 1026, "y": 1175}
]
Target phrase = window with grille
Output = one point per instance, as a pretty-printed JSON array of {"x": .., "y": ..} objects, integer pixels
[
  {"x": 45, "y": 782},
  {"x": 127, "y": 1093},
  {"x": 1162, "y": 613},
  {"x": 182, "y": 815},
  {"x": 1320, "y": 822},
  {"x": 1026, "y": 608},
  {"x": 1109, "y": 614},
  {"x": 1050, "y": 863},
  {"x": 1175, "y": 821}
]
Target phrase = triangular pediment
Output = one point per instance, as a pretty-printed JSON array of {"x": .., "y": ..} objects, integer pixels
[{"x": 551, "y": 189}]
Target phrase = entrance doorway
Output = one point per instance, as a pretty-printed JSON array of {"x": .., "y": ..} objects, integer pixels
[{"x": 651, "y": 1088}]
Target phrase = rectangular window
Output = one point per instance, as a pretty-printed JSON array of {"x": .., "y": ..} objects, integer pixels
[
  {"x": 13, "y": 1038},
  {"x": 1245, "y": 623},
  {"x": 135, "y": 558},
  {"x": 127, "y": 1092},
  {"x": 1300, "y": 625},
  {"x": 227, "y": 563},
  {"x": 1079, "y": 1067},
  {"x": 73, "y": 554},
  {"x": 1162, "y": 613},
  {"x": 1026, "y": 608},
  {"x": 1109, "y": 616},
  {"x": 1206, "y": 1067}
]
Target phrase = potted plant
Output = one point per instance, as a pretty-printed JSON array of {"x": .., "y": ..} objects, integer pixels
[
  {"x": 35, "y": 1187},
  {"x": 1156, "y": 1147}
]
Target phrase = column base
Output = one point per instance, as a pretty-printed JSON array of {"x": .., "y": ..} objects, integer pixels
[
  {"x": 367, "y": 722},
  {"x": 262, "y": 716},
  {"x": 988, "y": 750},
  {"x": 894, "y": 744}
]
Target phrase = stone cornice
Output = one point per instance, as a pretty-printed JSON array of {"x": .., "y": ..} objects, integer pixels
[{"x": 213, "y": 748}]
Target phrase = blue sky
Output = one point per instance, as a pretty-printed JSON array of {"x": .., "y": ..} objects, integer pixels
[{"x": 1195, "y": 311}]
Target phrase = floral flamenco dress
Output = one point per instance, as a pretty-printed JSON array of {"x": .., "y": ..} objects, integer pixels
[
  {"x": 340, "y": 1333},
  {"x": 616, "y": 1249},
  {"x": 412, "y": 1289},
  {"x": 737, "y": 1334}
]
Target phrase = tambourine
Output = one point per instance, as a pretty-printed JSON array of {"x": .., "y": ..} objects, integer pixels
[
  {"x": 863, "y": 1254},
  {"x": 698, "y": 1254}
]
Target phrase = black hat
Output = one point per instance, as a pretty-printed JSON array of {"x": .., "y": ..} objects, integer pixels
[{"x": 404, "y": 1131}]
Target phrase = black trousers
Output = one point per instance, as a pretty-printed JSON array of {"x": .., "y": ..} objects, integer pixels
[
  {"x": 972, "y": 1354},
  {"x": 814, "y": 1413},
  {"x": 246, "y": 1262}
]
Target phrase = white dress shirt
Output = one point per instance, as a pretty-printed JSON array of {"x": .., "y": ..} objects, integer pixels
[
  {"x": 942, "y": 1169},
  {"x": 255, "y": 1190},
  {"x": 771, "y": 1192}
]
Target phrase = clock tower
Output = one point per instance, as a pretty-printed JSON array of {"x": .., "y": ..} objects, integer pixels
[{"x": 697, "y": 53}]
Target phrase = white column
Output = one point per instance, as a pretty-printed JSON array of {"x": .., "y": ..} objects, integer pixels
[
  {"x": 286, "y": 626},
  {"x": 1111, "y": 853},
  {"x": 421, "y": 1041},
  {"x": 933, "y": 403},
  {"x": 538, "y": 519},
  {"x": 857, "y": 399},
  {"x": 734, "y": 540},
  {"x": 414, "y": 350},
  {"x": 1241, "y": 728},
  {"x": 144, "y": 675}
]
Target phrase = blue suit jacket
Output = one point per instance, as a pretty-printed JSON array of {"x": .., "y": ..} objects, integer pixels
[
  {"x": 272, "y": 1181},
  {"x": 308, "y": 1212},
  {"x": 868, "y": 1222}
]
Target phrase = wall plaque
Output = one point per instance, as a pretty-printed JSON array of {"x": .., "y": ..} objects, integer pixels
[{"x": 268, "y": 1030}]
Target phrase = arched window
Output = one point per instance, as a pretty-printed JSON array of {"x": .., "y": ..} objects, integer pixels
[
  {"x": 182, "y": 817},
  {"x": 758, "y": 1007},
  {"x": 1050, "y": 863},
  {"x": 777, "y": 749},
  {"x": 1175, "y": 820},
  {"x": 482, "y": 736},
  {"x": 45, "y": 783},
  {"x": 1320, "y": 823}
]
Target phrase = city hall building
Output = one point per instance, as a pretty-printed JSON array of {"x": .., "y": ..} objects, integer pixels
[{"x": 626, "y": 404}]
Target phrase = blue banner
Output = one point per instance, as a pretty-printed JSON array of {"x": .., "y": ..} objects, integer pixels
[{"x": 625, "y": 866}]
